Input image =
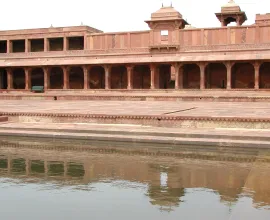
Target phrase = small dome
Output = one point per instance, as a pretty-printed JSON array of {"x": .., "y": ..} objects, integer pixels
[
  {"x": 231, "y": 6},
  {"x": 166, "y": 13}
]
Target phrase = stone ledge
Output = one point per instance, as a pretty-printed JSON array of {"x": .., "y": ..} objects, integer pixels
[{"x": 137, "y": 117}]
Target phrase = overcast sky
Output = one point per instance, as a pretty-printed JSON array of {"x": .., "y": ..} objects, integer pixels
[{"x": 114, "y": 15}]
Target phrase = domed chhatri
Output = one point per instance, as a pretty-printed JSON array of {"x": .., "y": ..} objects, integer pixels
[
  {"x": 167, "y": 15},
  {"x": 231, "y": 6},
  {"x": 231, "y": 12}
]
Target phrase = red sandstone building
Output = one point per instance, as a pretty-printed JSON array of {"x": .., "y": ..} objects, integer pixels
[{"x": 171, "y": 55}]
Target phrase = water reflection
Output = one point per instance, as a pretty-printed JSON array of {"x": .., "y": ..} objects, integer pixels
[{"x": 178, "y": 186}]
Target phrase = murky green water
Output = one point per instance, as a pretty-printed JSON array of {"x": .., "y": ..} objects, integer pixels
[{"x": 40, "y": 180}]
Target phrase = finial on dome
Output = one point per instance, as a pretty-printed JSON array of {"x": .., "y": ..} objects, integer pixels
[{"x": 171, "y": 4}]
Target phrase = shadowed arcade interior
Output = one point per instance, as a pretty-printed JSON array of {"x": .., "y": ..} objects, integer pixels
[
  {"x": 118, "y": 77},
  {"x": 141, "y": 77},
  {"x": 19, "y": 78},
  {"x": 265, "y": 76},
  {"x": 37, "y": 77},
  {"x": 76, "y": 78},
  {"x": 18, "y": 46},
  {"x": 165, "y": 81},
  {"x": 56, "y": 78},
  {"x": 97, "y": 77},
  {"x": 243, "y": 76},
  {"x": 216, "y": 76},
  {"x": 75, "y": 43},
  {"x": 37, "y": 45},
  {"x": 56, "y": 44},
  {"x": 3, "y": 79},
  {"x": 3, "y": 46},
  {"x": 191, "y": 76}
]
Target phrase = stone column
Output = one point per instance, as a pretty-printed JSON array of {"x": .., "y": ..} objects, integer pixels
[
  {"x": 66, "y": 77},
  {"x": 229, "y": 75},
  {"x": 257, "y": 75},
  {"x": 9, "y": 79},
  {"x": 153, "y": 76},
  {"x": 27, "y": 72},
  {"x": 9, "y": 46},
  {"x": 178, "y": 76},
  {"x": 86, "y": 77},
  {"x": 65, "y": 44},
  {"x": 27, "y": 46},
  {"x": 202, "y": 75},
  {"x": 107, "y": 69},
  {"x": 130, "y": 77},
  {"x": 46, "y": 45},
  {"x": 46, "y": 71}
]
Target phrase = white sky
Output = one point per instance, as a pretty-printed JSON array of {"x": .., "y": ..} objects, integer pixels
[{"x": 114, "y": 15}]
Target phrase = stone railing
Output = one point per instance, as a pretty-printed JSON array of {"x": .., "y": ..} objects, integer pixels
[
  {"x": 134, "y": 51},
  {"x": 229, "y": 47}
]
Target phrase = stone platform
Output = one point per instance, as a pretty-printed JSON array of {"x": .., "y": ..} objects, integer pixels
[
  {"x": 141, "y": 95},
  {"x": 153, "y": 113}
]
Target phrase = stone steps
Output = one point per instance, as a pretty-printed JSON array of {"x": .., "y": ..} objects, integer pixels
[
  {"x": 172, "y": 138},
  {"x": 145, "y": 131}
]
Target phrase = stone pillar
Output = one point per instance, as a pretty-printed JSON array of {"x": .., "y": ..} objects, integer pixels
[
  {"x": 178, "y": 76},
  {"x": 46, "y": 71},
  {"x": 86, "y": 77},
  {"x": 202, "y": 75},
  {"x": 153, "y": 76},
  {"x": 9, "y": 79},
  {"x": 257, "y": 75},
  {"x": 85, "y": 42},
  {"x": 27, "y": 72},
  {"x": 130, "y": 77},
  {"x": 238, "y": 23},
  {"x": 27, "y": 46},
  {"x": 229, "y": 75},
  {"x": 9, "y": 46},
  {"x": 65, "y": 44},
  {"x": 107, "y": 69},
  {"x": 46, "y": 45},
  {"x": 66, "y": 77}
]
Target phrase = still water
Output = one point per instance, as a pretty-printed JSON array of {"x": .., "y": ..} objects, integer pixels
[{"x": 40, "y": 180}]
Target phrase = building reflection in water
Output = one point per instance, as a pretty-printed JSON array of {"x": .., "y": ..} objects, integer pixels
[{"x": 167, "y": 178}]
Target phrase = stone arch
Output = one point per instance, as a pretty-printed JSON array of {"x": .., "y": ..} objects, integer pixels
[
  {"x": 18, "y": 78},
  {"x": 243, "y": 76},
  {"x": 37, "y": 77},
  {"x": 76, "y": 78},
  {"x": 265, "y": 76},
  {"x": 3, "y": 78},
  {"x": 141, "y": 77},
  {"x": 56, "y": 78},
  {"x": 97, "y": 77},
  {"x": 164, "y": 72},
  {"x": 191, "y": 76},
  {"x": 216, "y": 76},
  {"x": 118, "y": 77}
]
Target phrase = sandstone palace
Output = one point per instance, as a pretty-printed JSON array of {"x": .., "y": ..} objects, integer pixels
[{"x": 171, "y": 55}]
